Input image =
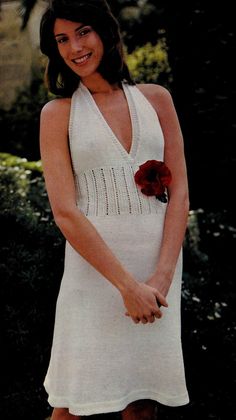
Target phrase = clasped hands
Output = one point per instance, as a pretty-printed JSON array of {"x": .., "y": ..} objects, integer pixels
[{"x": 143, "y": 303}]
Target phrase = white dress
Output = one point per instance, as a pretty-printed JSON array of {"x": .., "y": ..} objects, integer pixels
[{"x": 100, "y": 360}]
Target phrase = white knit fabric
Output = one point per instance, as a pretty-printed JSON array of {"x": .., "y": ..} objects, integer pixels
[{"x": 100, "y": 360}]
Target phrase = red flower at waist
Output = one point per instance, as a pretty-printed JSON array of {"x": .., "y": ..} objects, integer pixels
[{"x": 153, "y": 177}]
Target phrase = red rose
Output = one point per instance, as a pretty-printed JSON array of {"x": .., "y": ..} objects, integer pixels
[{"x": 153, "y": 177}]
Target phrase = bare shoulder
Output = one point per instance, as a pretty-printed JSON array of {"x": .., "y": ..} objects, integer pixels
[
  {"x": 54, "y": 123},
  {"x": 158, "y": 96},
  {"x": 57, "y": 108}
]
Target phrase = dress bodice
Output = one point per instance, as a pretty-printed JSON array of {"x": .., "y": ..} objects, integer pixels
[{"x": 103, "y": 169}]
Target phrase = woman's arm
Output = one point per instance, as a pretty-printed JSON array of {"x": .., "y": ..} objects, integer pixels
[
  {"x": 178, "y": 205},
  {"x": 139, "y": 299}
]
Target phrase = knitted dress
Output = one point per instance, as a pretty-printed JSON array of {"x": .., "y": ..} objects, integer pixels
[{"x": 101, "y": 360}]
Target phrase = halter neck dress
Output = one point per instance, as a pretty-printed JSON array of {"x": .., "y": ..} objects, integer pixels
[{"x": 100, "y": 360}]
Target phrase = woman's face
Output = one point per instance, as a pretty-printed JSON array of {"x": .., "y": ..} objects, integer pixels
[{"x": 79, "y": 45}]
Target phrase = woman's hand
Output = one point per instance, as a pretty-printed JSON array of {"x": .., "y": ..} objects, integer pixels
[
  {"x": 161, "y": 283},
  {"x": 141, "y": 303}
]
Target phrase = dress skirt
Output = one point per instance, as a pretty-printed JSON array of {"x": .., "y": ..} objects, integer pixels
[{"x": 101, "y": 360}]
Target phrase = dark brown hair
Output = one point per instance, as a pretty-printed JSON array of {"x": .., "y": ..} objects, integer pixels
[{"x": 61, "y": 80}]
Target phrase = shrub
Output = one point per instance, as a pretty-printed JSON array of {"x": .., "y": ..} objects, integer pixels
[
  {"x": 20, "y": 125},
  {"x": 149, "y": 64},
  {"x": 31, "y": 264}
]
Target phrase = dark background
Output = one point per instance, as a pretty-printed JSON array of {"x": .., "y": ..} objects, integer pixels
[{"x": 201, "y": 41}]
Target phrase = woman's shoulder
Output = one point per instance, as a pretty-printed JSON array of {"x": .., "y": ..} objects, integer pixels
[
  {"x": 158, "y": 95},
  {"x": 54, "y": 118},
  {"x": 57, "y": 108}
]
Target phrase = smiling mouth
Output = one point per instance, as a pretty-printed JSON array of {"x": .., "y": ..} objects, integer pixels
[{"x": 82, "y": 60}]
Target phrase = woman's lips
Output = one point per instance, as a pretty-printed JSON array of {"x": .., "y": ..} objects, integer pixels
[{"x": 82, "y": 60}]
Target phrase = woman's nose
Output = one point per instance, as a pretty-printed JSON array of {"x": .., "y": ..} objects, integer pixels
[{"x": 76, "y": 45}]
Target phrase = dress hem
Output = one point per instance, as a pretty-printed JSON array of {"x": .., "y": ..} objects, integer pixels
[{"x": 117, "y": 405}]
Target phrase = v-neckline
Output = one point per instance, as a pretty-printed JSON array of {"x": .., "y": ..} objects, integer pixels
[{"x": 133, "y": 118}]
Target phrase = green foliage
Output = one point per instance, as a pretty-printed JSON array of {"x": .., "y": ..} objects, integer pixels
[
  {"x": 20, "y": 125},
  {"x": 149, "y": 64},
  {"x": 140, "y": 22},
  {"x": 31, "y": 265},
  {"x": 10, "y": 161}
]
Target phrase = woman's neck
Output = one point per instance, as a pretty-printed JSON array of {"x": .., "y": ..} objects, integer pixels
[{"x": 97, "y": 84}]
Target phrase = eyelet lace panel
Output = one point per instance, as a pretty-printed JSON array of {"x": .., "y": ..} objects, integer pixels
[{"x": 111, "y": 191}]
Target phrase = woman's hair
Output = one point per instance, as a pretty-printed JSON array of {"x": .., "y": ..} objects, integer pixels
[{"x": 60, "y": 79}]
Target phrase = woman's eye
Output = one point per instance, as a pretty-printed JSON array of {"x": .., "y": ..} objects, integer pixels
[
  {"x": 61, "y": 40},
  {"x": 85, "y": 31}
]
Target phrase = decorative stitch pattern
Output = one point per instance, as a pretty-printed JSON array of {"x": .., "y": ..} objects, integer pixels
[
  {"x": 105, "y": 191},
  {"x": 111, "y": 191},
  {"x": 139, "y": 200},
  {"x": 127, "y": 191},
  {"x": 96, "y": 190},
  {"x": 116, "y": 192}
]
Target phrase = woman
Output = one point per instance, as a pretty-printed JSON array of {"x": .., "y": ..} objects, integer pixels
[{"x": 109, "y": 150}]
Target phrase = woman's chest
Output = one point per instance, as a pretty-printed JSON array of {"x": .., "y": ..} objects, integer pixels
[{"x": 116, "y": 115}]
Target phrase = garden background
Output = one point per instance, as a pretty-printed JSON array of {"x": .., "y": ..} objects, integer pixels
[{"x": 190, "y": 49}]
